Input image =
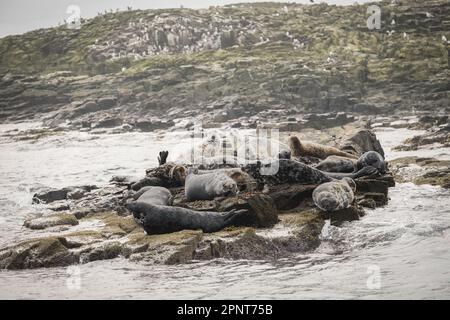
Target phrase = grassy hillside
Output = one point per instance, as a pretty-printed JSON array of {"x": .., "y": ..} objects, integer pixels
[{"x": 257, "y": 56}]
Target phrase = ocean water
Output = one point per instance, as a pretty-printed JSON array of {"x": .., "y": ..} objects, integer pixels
[{"x": 398, "y": 251}]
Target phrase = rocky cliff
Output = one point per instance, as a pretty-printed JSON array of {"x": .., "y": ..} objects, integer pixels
[{"x": 241, "y": 63}]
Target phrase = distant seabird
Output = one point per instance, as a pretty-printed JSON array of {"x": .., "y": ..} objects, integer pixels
[
  {"x": 429, "y": 15},
  {"x": 393, "y": 22}
]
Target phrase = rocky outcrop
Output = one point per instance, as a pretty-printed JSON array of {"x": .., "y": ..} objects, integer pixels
[
  {"x": 48, "y": 195},
  {"x": 437, "y": 136},
  {"x": 51, "y": 221},
  {"x": 90, "y": 223},
  {"x": 422, "y": 171}
]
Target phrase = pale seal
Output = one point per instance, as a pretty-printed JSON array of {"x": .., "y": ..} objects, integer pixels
[
  {"x": 335, "y": 195},
  {"x": 165, "y": 219},
  {"x": 301, "y": 149},
  {"x": 154, "y": 195},
  {"x": 209, "y": 185}
]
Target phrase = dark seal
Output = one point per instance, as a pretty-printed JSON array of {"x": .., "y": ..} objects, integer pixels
[{"x": 165, "y": 219}]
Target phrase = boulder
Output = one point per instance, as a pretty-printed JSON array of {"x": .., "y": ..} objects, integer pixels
[
  {"x": 363, "y": 141},
  {"x": 261, "y": 209},
  {"x": 45, "y": 252},
  {"x": 289, "y": 196},
  {"x": 51, "y": 221}
]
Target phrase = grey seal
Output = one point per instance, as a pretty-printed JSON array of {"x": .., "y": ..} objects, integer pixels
[
  {"x": 335, "y": 195},
  {"x": 208, "y": 186},
  {"x": 337, "y": 164},
  {"x": 165, "y": 219},
  {"x": 154, "y": 195},
  {"x": 373, "y": 159},
  {"x": 301, "y": 149},
  {"x": 347, "y": 165},
  {"x": 291, "y": 171}
]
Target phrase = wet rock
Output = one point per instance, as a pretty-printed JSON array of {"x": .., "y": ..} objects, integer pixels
[
  {"x": 172, "y": 248},
  {"x": 51, "y": 221},
  {"x": 261, "y": 209},
  {"x": 48, "y": 195},
  {"x": 289, "y": 196},
  {"x": 349, "y": 214},
  {"x": 437, "y": 136},
  {"x": 301, "y": 233},
  {"x": 371, "y": 185},
  {"x": 103, "y": 251},
  {"x": 363, "y": 141},
  {"x": 379, "y": 199},
  {"x": 149, "y": 126},
  {"x": 124, "y": 180},
  {"x": 39, "y": 253},
  {"x": 422, "y": 171},
  {"x": 329, "y": 120},
  {"x": 76, "y": 193},
  {"x": 108, "y": 123},
  {"x": 106, "y": 102},
  {"x": 59, "y": 206}
]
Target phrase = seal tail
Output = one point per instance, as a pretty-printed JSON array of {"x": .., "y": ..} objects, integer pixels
[{"x": 366, "y": 171}]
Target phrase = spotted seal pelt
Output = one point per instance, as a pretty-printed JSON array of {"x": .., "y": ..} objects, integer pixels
[
  {"x": 244, "y": 181},
  {"x": 209, "y": 185},
  {"x": 154, "y": 195},
  {"x": 291, "y": 171},
  {"x": 168, "y": 175},
  {"x": 337, "y": 164},
  {"x": 335, "y": 195},
  {"x": 165, "y": 219},
  {"x": 301, "y": 149},
  {"x": 373, "y": 159},
  {"x": 347, "y": 165}
]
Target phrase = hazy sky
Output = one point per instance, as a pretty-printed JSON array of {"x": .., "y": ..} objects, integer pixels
[{"x": 19, "y": 16}]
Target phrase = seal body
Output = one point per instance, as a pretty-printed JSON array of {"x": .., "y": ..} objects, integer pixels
[
  {"x": 291, "y": 171},
  {"x": 334, "y": 195},
  {"x": 301, "y": 149},
  {"x": 164, "y": 219},
  {"x": 287, "y": 171},
  {"x": 372, "y": 159},
  {"x": 244, "y": 181},
  {"x": 208, "y": 186},
  {"x": 154, "y": 196},
  {"x": 337, "y": 164}
]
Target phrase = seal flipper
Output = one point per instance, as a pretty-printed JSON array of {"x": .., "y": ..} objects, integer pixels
[
  {"x": 232, "y": 216},
  {"x": 366, "y": 171}
]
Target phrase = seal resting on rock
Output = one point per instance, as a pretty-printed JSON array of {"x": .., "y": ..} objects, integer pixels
[
  {"x": 373, "y": 159},
  {"x": 154, "y": 195},
  {"x": 301, "y": 149},
  {"x": 165, "y": 219},
  {"x": 244, "y": 181},
  {"x": 208, "y": 186},
  {"x": 337, "y": 164},
  {"x": 335, "y": 195},
  {"x": 168, "y": 175},
  {"x": 347, "y": 165},
  {"x": 291, "y": 171}
]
